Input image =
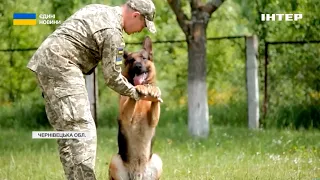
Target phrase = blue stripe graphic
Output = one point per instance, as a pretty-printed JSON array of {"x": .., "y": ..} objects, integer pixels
[{"x": 24, "y": 16}]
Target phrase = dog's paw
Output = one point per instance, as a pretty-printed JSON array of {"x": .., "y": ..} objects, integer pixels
[
  {"x": 154, "y": 91},
  {"x": 142, "y": 90}
]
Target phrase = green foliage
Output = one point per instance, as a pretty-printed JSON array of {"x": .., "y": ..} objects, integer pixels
[
  {"x": 293, "y": 77},
  {"x": 294, "y": 86},
  {"x": 15, "y": 80}
]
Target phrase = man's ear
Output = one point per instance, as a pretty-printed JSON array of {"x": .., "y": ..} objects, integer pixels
[
  {"x": 136, "y": 14},
  {"x": 147, "y": 45}
]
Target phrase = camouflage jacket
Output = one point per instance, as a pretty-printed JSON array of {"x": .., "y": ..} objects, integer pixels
[{"x": 91, "y": 35}]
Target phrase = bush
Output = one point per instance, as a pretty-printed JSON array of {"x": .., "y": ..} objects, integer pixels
[
  {"x": 107, "y": 115},
  {"x": 232, "y": 114},
  {"x": 30, "y": 114},
  {"x": 295, "y": 116},
  {"x": 176, "y": 115}
]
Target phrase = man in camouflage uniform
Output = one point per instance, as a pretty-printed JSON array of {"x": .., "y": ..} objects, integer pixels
[{"x": 92, "y": 34}]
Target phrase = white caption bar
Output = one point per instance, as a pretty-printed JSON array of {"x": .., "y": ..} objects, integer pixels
[{"x": 60, "y": 135}]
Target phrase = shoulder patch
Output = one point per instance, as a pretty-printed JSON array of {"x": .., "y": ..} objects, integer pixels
[{"x": 119, "y": 55}]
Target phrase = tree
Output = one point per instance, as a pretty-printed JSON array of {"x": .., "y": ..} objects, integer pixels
[{"x": 194, "y": 28}]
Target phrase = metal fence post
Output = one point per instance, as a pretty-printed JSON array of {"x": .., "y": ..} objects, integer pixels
[{"x": 92, "y": 89}]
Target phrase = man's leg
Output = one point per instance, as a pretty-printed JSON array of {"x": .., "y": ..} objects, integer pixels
[{"x": 71, "y": 112}]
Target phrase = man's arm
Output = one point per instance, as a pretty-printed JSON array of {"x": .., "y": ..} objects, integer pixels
[{"x": 109, "y": 40}]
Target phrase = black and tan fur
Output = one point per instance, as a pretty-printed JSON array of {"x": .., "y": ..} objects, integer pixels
[{"x": 137, "y": 122}]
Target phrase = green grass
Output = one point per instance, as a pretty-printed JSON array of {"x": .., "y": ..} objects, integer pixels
[{"x": 229, "y": 153}]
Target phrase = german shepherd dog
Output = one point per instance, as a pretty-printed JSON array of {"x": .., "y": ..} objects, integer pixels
[{"x": 137, "y": 121}]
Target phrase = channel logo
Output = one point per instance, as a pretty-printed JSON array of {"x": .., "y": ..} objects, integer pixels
[{"x": 24, "y": 19}]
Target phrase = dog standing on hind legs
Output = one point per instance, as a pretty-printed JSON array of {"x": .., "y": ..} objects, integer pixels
[{"x": 137, "y": 121}]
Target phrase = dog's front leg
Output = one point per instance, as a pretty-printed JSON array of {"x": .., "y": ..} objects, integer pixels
[
  {"x": 155, "y": 106},
  {"x": 127, "y": 108},
  {"x": 155, "y": 114},
  {"x": 128, "y": 105}
]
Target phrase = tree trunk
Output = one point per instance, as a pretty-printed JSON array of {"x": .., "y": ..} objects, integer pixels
[
  {"x": 195, "y": 31},
  {"x": 198, "y": 115}
]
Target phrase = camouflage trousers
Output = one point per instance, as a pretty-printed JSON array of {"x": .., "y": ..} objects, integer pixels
[{"x": 68, "y": 109}]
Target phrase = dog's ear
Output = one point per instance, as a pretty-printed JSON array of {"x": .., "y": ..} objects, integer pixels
[
  {"x": 125, "y": 57},
  {"x": 147, "y": 45},
  {"x": 125, "y": 54}
]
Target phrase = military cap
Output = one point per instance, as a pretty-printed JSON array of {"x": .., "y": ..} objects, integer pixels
[{"x": 147, "y": 9}]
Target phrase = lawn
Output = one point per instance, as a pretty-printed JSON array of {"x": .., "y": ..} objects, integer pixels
[{"x": 229, "y": 153}]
